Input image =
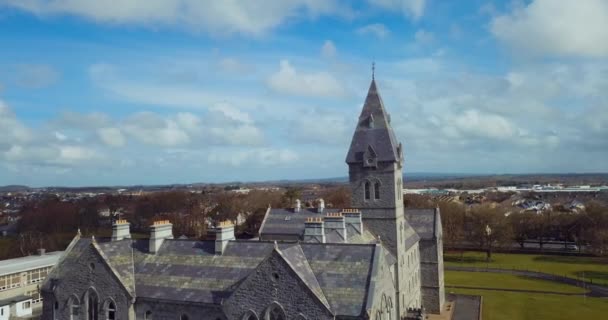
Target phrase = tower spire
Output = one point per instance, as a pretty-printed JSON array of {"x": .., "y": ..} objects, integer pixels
[{"x": 373, "y": 70}]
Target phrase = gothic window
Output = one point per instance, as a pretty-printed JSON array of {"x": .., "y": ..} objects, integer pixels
[
  {"x": 110, "y": 310},
  {"x": 249, "y": 315},
  {"x": 55, "y": 310},
  {"x": 367, "y": 190},
  {"x": 92, "y": 305},
  {"x": 377, "y": 190},
  {"x": 275, "y": 312},
  {"x": 74, "y": 308}
]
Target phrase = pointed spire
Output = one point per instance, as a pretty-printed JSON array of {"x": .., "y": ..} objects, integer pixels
[
  {"x": 373, "y": 129},
  {"x": 374, "y": 70}
]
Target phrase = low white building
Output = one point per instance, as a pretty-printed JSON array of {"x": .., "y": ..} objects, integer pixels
[{"x": 20, "y": 279}]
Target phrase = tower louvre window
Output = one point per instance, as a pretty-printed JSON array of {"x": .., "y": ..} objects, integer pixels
[
  {"x": 377, "y": 190},
  {"x": 367, "y": 190}
]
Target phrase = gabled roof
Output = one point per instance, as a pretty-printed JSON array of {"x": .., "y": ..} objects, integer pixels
[
  {"x": 285, "y": 221},
  {"x": 188, "y": 270},
  {"x": 296, "y": 259},
  {"x": 379, "y": 136},
  {"x": 426, "y": 222}
]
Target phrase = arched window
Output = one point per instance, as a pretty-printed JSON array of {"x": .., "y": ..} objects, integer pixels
[
  {"x": 184, "y": 317},
  {"x": 249, "y": 315},
  {"x": 148, "y": 315},
  {"x": 368, "y": 186},
  {"x": 55, "y": 310},
  {"x": 74, "y": 304},
  {"x": 110, "y": 310},
  {"x": 377, "y": 190},
  {"x": 275, "y": 312},
  {"x": 92, "y": 305}
]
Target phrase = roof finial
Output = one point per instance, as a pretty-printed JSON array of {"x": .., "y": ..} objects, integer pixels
[{"x": 373, "y": 70}]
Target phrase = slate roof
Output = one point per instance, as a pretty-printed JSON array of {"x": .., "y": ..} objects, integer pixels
[
  {"x": 188, "y": 270},
  {"x": 380, "y": 137},
  {"x": 426, "y": 222},
  {"x": 288, "y": 222}
]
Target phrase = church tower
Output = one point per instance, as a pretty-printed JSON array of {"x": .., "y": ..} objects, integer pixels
[{"x": 375, "y": 161}]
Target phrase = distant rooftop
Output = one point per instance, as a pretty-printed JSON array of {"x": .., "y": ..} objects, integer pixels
[{"x": 28, "y": 263}]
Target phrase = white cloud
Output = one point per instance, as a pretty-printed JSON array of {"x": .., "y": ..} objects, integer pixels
[
  {"x": 413, "y": 9},
  {"x": 35, "y": 75},
  {"x": 555, "y": 28},
  {"x": 259, "y": 157},
  {"x": 317, "y": 84},
  {"x": 424, "y": 38},
  {"x": 112, "y": 137},
  {"x": 377, "y": 29},
  {"x": 484, "y": 125},
  {"x": 214, "y": 17},
  {"x": 11, "y": 129},
  {"x": 149, "y": 128},
  {"x": 328, "y": 50},
  {"x": 233, "y": 65}
]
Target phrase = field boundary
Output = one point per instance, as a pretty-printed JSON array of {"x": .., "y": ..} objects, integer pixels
[{"x": 595, "y": 290}]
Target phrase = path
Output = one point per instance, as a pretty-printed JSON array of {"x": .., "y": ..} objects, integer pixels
[{"x": 594, "y": 289}]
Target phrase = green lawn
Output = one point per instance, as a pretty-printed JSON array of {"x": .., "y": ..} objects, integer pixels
[
  {"x": 528, "y": 306},
  {"x": 575, "y": 267},
  {"x": 498, "y": 305},
  {"x": 505, "y": 281}
]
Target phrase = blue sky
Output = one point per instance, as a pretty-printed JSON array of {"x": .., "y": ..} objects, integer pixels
[{"x": 180, "y": 91}]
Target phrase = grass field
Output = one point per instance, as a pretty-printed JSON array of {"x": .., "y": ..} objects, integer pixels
[
  {"x": 591, "y": 268},
  {"x": 499, "y": 305},
  {"x": 505, "y": 281}
]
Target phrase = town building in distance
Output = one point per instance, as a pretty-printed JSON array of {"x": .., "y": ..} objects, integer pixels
[{"x": 374, "y": 260}]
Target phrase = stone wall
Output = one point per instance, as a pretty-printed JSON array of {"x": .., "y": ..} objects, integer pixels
[
  {"x": 87, "y": 273},
  {"x": 274, "y": 282},
  {"x": 174, "y": 311},
  {"x": 433, "y": 288},
  {"x": 386, "y": 173}
]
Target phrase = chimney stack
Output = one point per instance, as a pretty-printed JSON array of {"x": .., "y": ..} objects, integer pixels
[
  {"x": 314, "y": 230},
  {"x": 41, "y": 251},
  {"x": 335, "y": 221},
  {"x": 224, "y": 232},
  {"x": 321, "y": 206},
  {"x": 159, "y": 231},
  {"x": 120, "y": 230},
  {"x": 353, "y": 217},
  {"x": 298, "y": 206}
]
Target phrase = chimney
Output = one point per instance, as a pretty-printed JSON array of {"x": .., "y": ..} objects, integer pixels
[
  {"x": 159, "y": 231},
  {"x": 120, "y": 230},
  {"x": 224, "y": 232},
  {"x": 321, "y": 206},
  {"x": 41, "y": 251},
  {"x": 314, "y": 230},
  {"x": 298, "y": 206},
  {"x": 353, "y": 217},
  {"x": 335, "y": 221}
]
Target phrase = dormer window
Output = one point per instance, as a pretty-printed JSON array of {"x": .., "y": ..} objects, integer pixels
[
  {"x": 370, "y": 121},
  {"x": 370, "y": 158}
]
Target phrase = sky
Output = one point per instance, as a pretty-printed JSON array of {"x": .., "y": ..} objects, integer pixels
[{"x": 184, "y": 91}]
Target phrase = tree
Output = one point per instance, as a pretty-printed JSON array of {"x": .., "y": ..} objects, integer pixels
[
  {"x": 489, "y": 227},
  {"x": 522, "y": 225},
  {"x": 338, "y": 197},
  {"x": 453, "y": 220}
]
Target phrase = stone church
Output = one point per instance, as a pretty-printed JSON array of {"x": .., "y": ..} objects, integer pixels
[{"x": 375, "y": 260}]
